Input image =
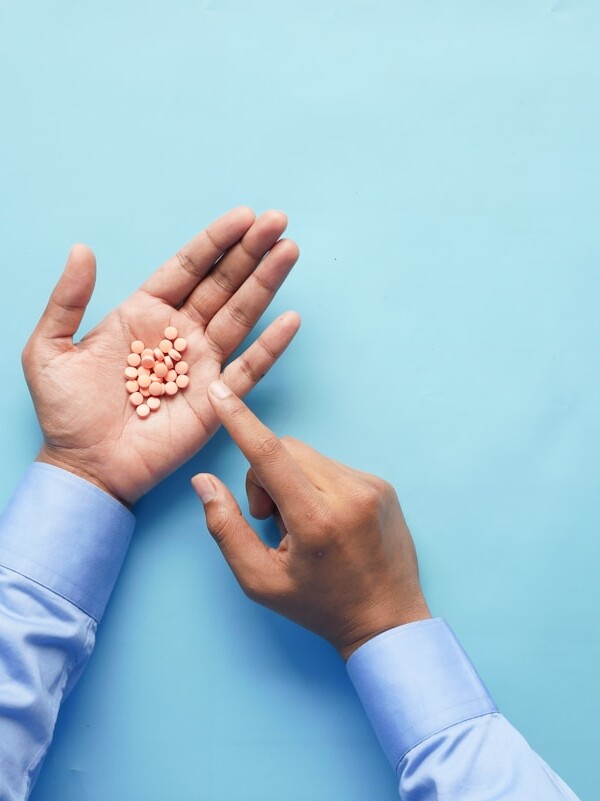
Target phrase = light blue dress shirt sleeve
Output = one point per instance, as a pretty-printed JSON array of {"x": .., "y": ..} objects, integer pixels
[
  {"x": 62, "y": 544},
  {"x": 439, "y": 727}
]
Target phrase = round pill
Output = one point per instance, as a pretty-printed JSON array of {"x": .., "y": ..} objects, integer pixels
[
  {"x": 158, "y": 354},
  {"x": 131, "y": 373},
  {"x": 143, "y": 371},
  {"x": 147, "y": 352},
  {"x": 137, "y": 346},
  {"x": 134, "y": 359},
  {"x": 170, "y": 332},
  {"x": 175, "y": 355},
  {"x": 144, "y": 381},
  {"x": 161, "y": 369},
  {"x": 148, "y": 362},
  {"x": 171, "y": 375},
  {"x": 153, "y": 404},
  {"x": 143, "y": 411},
  {"x": 181, "y": 368},
  {"x": 165, "y": 345},
  {"x": 136, "y": 398},
  {"x": 171, "y": 388},
  {"x": 180, "y": 344},
  {"x": 169, "y": 361},
  {"x": 183, "y": 381},
  {"x": 132, "y": 386},
  {"x": 155, "y": 389},
  {"x": 145, "y": 392}
]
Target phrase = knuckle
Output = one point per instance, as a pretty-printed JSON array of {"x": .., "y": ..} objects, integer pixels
[
  {"x": 215, "y": 347},
  {"x": 223, "y": 281},
  {"x": 26, "y": 355},
  {"x": 29, "y": 355},
  {"x": 268, "y": 350},
  {"x": 238, "y": 412},
  {"x": 299, "y": 450},
  {"x": 321, "y": 525},
  {"x": 251, "y": 590},
  {"x": 388, "y": 493},
  {"x": 326, "y": 530},
  {"x": 360, "y": 502},
  {"x": 218, "y": 524},
  {"x": 253, "y": 587},
  {"x": 382, "y": 487},
  {"x": 187, "y": 263},
  {"x": 267, "y": 446},
  {"x": 265, "y": 587},
  {"x": 211, "y": 240},
  {"x": 239, "y": 316},
  {"x": 252, "y": 481},
  {"x": 269, "y": 596},
  {"x": 249, "y": 371},
  {"x": 247, "y": 250},
  {"x": 369, "y": 498},
  {"x": 320, "y": 514},
  {"x": 267, "y": 286}
]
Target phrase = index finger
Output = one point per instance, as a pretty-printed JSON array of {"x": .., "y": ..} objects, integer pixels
[
  {"x": 181, "y": 274},
  {"x": 278, "y": 471}
]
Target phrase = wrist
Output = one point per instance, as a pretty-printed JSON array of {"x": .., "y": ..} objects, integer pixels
[
  {"x": 381, "y": 622},
  {"x": 78, "y": 467}
]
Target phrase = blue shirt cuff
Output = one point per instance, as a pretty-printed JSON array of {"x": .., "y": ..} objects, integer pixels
[
  {"x": 414, "y": 681},
  {"x": 67, "y": 535}
]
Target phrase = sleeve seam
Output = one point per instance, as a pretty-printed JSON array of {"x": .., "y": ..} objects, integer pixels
[
  {"x": 49, "y": 589},
  {"x": 441, "y": 729}
]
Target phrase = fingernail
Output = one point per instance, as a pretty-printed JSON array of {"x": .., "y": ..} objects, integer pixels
[
  {"x": 219, "y": 389},
  {"x": 204, "y": 487}
]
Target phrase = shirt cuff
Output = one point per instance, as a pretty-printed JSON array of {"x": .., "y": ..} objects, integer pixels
[
  {"x": 67, "y": 535},
  {"x": 414, "y": 681}
]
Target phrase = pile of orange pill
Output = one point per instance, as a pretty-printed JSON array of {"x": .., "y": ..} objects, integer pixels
[{"x": 154, "y": 372}]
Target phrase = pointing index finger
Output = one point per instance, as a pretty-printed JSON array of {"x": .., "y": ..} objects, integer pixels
[{"x": 277, "y": 470}]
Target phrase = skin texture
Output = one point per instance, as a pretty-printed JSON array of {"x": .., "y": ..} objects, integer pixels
[
  {"x": 346, "y": 566},
  {"x": 213, "y": 291}
]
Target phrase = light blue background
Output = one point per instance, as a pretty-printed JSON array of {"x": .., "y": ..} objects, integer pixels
[{"x": 440, "y": 165}]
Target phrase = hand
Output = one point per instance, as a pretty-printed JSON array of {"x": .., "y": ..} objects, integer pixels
[
  {"x": 346, "y": 566},
  {"x": 213, "y": 291}
]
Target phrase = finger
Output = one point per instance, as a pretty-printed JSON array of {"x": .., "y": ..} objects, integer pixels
[
  {"x": 320, "y": 469},
  {"x": 237, "y": 264},
  {"x": 179, "y": 276},
  {"x": 259, "y": 501},
  {"x": 70, "y": 297},
  {"x": 231, "y": 325},
  {"x": 261, "y": 504},
  {"x": 276, "y": 469},
  {"x": 254, "y": 363},
  {"x": 280, "y": 523},
  {"x": 247, "y": 556}
]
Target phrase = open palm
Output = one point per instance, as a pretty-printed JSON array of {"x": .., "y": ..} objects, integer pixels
[{"x": 213, "y": 291}]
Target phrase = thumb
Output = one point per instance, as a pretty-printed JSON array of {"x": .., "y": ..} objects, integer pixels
[
  {"x": 246, "y": 554},
  {"x": 71, "y": 295}
]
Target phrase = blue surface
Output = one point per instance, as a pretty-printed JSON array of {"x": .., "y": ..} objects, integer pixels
[{"x": 440, "y": 165}]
